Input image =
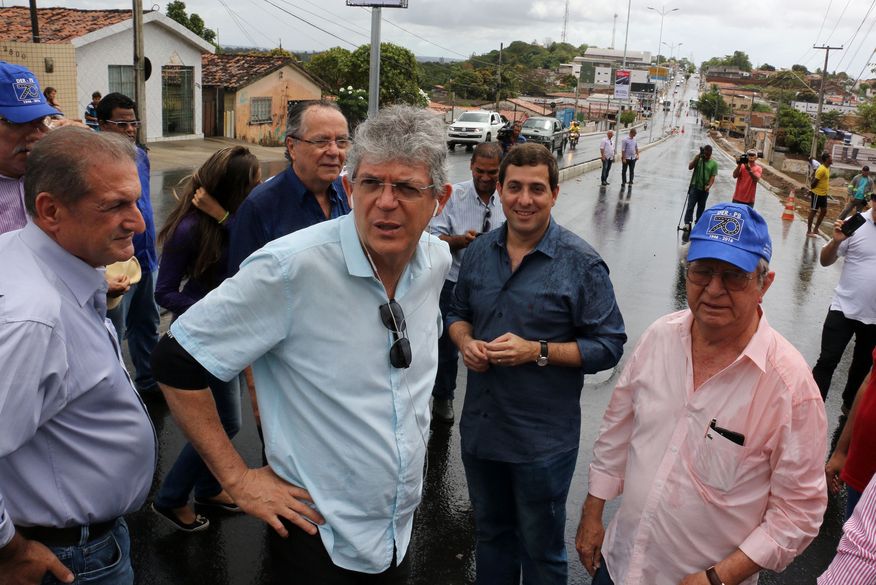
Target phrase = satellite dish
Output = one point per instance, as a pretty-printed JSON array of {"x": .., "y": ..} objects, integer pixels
[{"x": 147, "y": 68}]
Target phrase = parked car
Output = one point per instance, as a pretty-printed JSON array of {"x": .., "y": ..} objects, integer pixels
[
  {"x": 546, "y": 131},
  {"x": 474, "y": 127}
]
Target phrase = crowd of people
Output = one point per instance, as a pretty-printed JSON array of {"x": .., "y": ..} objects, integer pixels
[{"x": 715, "y": 433}]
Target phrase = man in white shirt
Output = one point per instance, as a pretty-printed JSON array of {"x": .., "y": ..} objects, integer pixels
[{"x": 606, "y": 154}]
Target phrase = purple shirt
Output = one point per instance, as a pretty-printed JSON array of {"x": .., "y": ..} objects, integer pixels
[{"x": 12, "y": 215}]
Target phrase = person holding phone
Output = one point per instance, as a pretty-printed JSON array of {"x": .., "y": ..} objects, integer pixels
[{"x": 853, "y": 308}]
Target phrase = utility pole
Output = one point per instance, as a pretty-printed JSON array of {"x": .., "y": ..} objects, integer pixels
[
  {"x": 499, "y": 75},
  {"x": 34, "y": 22},
  {"x": 565, "y": 22},
  {"x": 139, "y": 69},
  {"x": 374, "y": 66},
  {"x": 814, "y": 148},
  {"x": 613, "y": 30}
]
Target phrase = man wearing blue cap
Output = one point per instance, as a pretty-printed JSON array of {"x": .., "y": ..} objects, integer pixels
[
  {"x": 715, "y": 432},
  {"x": 23, "y": 110}
]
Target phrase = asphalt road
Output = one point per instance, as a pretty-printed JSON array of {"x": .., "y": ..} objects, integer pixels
[{"x": 635, "y": 231}]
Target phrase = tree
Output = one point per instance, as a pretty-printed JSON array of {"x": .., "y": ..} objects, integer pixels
[
  {"x": 831, "y": 119},
  {"x": 867, "y": 117},
  {"x": 795, "y": 130},
  {"x": 627, "y": 117},
  {"x": 800, "y": 69},
  {"x": 354, "y": 104},
  {"x": 767, "y": 67},
  {"x": 399, "y": 74},
  {"x": 177, "y": 11},
  {"x": 739, "y": 59},
  {"x": 712, "y": 104},
  {"x": 332, "y": 66},
  {"x": 762, "y": 108}
]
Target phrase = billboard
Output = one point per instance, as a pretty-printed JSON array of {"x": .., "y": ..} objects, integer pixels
[
  {"x": 622, "y": 84},
  {"x": 379, "y": 3},
  {"x": 658, "y": 73}
]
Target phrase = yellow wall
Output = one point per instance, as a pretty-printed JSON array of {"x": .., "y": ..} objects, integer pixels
[
  {"x": 281, "y": 86},
  {"x": 63, "y": 78}
]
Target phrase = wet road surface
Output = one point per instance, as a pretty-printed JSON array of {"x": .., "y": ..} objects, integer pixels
[{"x": 634, "y": 229}]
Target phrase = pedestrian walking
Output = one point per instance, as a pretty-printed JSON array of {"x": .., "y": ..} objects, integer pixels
[
  {"x": 521, "y": 421},
  {"x": 714, "y": 435},
  {"x": 704, "y": 172},
  {"x": 77, "y": 448},
  {"x": 340, "y": 322},
  {"x": 629, "y": 156},
  {"x": 473, "y": 209},
  {"x": 606, "y": 154},
  {"x": 194, "y": 261},
  {"x": 852, "y": 311}
]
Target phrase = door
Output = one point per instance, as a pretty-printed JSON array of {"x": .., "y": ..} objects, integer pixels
[{"x": 177, "y": 100}]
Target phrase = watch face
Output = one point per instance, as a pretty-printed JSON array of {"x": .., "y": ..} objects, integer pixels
[{"x": 542, "y": 360}]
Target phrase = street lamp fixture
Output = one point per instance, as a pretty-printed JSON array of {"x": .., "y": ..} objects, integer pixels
[{"x": 662, "y": 12}]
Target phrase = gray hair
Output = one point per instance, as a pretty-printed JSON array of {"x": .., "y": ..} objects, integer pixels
[
  {"x": 57, "y": 164},
  {"x": 295, "y": 116},
  {"x": 763, "y": 267},
  {"x": 403, "y": 134}
]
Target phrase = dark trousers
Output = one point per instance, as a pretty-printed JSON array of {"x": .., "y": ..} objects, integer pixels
[
  {"x": 631, "y": 164},
  {"x": 835, "y": 336},
  {"x": 602, "y": 577},
  {"x": 695, "y": 197},
  {"x": 448, "y": 355},
  {"x": 606, "y": 167},
  {"x": 301, "y": 559}
]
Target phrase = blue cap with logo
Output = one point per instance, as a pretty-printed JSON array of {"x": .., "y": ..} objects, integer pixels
[
  {"x": 21, "y": 99},
  {"x": 731, "y": 232}
]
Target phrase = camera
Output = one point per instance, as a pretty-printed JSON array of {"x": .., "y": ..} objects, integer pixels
[
  {"x": 702, "y": 151},
  {"x": 743, "y": 159}
]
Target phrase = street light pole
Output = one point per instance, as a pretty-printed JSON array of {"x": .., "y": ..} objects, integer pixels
[{"x": 662, "y": 12}]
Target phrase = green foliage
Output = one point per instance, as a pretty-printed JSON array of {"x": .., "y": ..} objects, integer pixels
[
  {"x": 333, "y": 67},
  {"x": 737, "y": 59},
  {"x": 354, "y": 104},
  {"x": 712, "y": 104},
  {"x": 767, "y": 67},
  {"x": 627, "y": 117},
  {"x": 831, "y": 119},
  {"x": 867, "y": 117},
  {"x": 399, "y": 74},
  {"x": 800, "y": 69},
  {"x": 763, "y": 108},
  {"x": 177, "y": 11},
  {"x": 794, "y": 131}
]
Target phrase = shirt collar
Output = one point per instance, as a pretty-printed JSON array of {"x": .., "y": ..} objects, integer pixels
[
  {"x": 494, "y": 198},
  {"x": 83, "y": 280},
  {"x": 357, "y": 262},
  {"x": 299, "y": 191},
  {"x": 757, "y": 348},
  {"x": 547, "y": 245}
]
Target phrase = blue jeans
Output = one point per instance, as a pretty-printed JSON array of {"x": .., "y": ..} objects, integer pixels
[
  {"x": 190, "y": 472},
  {"x": 520, "y": 519},
  {"x": 137, "y": 318},
  {"x": 606, "y": 167},
  {"x": 602, "y": 577},
  {"x": 448, "y": 355},
  {"x": 104, "y": 561},
  {"x": 853, "y": 496}
]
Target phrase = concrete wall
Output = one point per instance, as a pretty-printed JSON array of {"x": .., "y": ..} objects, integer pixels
[
  {"x": 62, "y": 60},
  {"x": 161, "y": 47},
  {"x": 281, "y": 86}
]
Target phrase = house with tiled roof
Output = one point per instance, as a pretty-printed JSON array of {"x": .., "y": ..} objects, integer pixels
[
  {"x": 247, "y": 96},
  {"x": 82, "y": 51}
]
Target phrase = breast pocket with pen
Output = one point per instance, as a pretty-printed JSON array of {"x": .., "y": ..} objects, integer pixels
[{"x": 715, "y": 458}]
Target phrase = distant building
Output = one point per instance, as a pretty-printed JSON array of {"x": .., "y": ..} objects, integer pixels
[
  {"x": 82, "y": 51},
  {"x": 812, "y": 108},
  {"x": 247, "y": 96},
  {"x": 726, "y": 72}
]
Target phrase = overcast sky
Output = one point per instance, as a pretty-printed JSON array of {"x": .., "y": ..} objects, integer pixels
[{"x": 779, "y": 32}]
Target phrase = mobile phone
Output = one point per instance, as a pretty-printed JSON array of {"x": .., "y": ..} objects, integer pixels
[{"x": 853, "y": 223}]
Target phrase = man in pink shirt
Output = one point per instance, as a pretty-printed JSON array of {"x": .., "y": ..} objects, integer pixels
[
  {"x": 715, "y": 434},
  {"x": 747, "y": 173}
]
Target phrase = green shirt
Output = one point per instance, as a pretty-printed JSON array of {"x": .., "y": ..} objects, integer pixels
[{"x": 703, "y": 173}]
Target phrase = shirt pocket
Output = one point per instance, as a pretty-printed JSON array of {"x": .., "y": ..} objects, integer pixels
[{"x": 715, "y": 461}]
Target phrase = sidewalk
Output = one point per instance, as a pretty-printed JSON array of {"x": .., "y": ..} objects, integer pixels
[{"x": 176, "y": 155}]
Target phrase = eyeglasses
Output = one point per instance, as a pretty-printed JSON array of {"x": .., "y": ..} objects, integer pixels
[
  {"x": 123, "y": 124},
  {"x": 405, "y": 191},
  {"x": 393, "y": 318},
  {"x": 43, "y": 121},
  {"x": 324, "y": 143},
  {"x": 486, "y": 225},
  {"x": 733, "y": 280}
]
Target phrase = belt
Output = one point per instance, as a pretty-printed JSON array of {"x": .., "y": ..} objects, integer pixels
[{"x": 69, "y": 536}]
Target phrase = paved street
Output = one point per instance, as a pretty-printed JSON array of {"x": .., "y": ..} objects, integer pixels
[{"x": 635, "y": 231}]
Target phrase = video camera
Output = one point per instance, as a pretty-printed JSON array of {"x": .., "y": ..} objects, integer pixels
[{"x": 743, "y": 159}]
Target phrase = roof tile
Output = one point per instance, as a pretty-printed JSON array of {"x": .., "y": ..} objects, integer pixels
[
  {"x": 56, "y": 25},
  {"x": 236, "y": 71}
]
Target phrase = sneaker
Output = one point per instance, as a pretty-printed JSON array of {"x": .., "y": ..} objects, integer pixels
[
  {"x": 686, "y": 227},
  {"x": 442, "y": 410},
  {"x": 200, "y": 523}
]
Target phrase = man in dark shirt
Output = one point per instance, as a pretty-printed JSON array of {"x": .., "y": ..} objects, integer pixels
[
  {"x": 533, "y": 311},
  {"x": 308, "y": 192}
]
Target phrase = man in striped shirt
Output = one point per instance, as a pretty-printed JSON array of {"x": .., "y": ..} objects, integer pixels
[
  {"x": 23, "y": 110},
  {"x": 473, "y": 209}
]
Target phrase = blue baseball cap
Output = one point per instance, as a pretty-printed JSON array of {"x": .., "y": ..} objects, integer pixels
[
  {"x": 731, "y": 232},
  {"x": 21, "y": 99}
]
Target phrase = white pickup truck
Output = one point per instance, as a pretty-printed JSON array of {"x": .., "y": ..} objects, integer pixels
[{"x": 474, "y": 127}]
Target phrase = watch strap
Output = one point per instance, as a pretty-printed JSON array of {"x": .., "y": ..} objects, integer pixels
[{"x": 713, "y": 577}]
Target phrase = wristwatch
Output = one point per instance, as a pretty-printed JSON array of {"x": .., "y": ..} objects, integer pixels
[
  {"x": 713, "y": 577},
  {"x": 542, "y": 354}
]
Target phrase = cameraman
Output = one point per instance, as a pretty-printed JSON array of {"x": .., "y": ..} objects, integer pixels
[
  {"x": 704, "y": 172},
  {"x": 747, "y": 173}
]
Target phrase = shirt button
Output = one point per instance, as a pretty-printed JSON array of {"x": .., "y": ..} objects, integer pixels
[{"x": 674, "y": 449}]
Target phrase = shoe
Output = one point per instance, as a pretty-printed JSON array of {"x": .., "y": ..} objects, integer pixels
[
  {"x": 200, "y": 522},
  {"x": 686, "y": 227},
  {"x": 630, "y": 183},
  {"x": 811, "y": 235},
  {"x": 442, "y": 409},
  {"x": 231, "y": 508},
  {"x": 623, "y": 182}
]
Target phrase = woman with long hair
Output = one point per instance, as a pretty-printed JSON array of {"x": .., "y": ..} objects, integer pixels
[{"x": 194, "y": 261}]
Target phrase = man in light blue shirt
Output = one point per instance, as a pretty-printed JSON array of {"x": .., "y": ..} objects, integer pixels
[
  {"x": 629, "y": 156},
  {"x": 473, "y": 209},
  {"x": 77, "y": 448},
  {"x": 340, "y": 321}
]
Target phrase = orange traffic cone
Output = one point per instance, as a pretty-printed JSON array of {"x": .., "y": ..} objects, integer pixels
[{"x": 788, "y": 214}]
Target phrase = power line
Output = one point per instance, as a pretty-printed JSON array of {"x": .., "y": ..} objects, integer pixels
[
  {"x": 333, "y": 21},
  {"x": 857, "y": 30},
  {"x": 236, "y": 21},
  {"x": 836, "y": 24},
  {"x": 280, "y": 8}
]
